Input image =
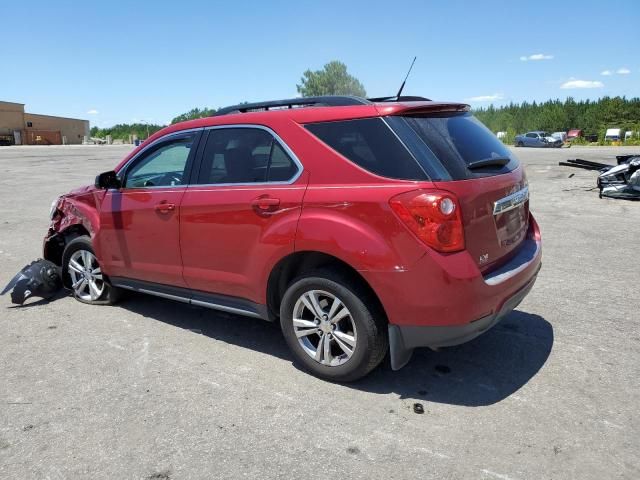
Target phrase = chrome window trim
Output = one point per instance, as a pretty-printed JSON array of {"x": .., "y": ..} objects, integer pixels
[
  {"x": 168, "y": 136},
  {"x": 277, "y": 137}
]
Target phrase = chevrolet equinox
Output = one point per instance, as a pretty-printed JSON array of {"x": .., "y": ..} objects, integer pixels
[{"x": 362, "y": 226}]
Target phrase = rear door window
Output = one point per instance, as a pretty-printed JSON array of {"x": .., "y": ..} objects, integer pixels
[
  {"x": 370, "y": 144},
  {"x": 242, "y": 156}
]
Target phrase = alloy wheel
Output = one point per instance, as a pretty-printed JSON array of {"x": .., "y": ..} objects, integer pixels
[
  {"x": 324, "y": 327},
  {"x": 86, "y": 277}
]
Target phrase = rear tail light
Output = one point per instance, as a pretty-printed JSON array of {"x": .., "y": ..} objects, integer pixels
[{"x": 433, "y": 216}]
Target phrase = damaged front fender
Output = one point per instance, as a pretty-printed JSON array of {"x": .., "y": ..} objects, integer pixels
[{"x": 75, "y": 214}]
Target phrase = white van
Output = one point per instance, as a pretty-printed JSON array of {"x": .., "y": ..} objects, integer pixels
[{"x": 613, "y": 134}]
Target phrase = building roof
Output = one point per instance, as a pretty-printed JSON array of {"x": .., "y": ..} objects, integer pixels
[{"x": 10, "y": 103}]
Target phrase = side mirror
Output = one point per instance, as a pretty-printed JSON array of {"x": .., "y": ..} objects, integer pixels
[{"x": 108, "y": 180}]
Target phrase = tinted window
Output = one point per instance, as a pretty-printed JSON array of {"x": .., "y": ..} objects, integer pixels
[
  {"x": 163, "y": 166},
  {"x": 244, "y": 155},
  {"x": 455, "y": 141},
  {"x": 281, "y": 167},
  {"x": 371, "y": 144}
]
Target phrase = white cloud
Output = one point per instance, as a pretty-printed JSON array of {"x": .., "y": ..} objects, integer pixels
[
  {"x": 93, "y": 111},
  {"x": 573, "y": 83},
  {"x": 486, "y": 98},
  {"x": 623, "y": 71},
  {"x": 536, "y": 56},
  {"x": 606, "y": 73}
]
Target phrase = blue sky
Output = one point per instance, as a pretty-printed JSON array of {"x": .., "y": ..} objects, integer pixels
[{"x": 117, "y": 61}]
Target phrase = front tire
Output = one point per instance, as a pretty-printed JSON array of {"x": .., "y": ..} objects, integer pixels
[
  {"x": 82, "y": 273},
  {"x": 519, "y": 144},
  {"x": 333, "y": 327}
]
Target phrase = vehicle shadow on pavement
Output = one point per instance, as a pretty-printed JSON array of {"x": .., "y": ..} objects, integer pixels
[
  {"x": 481, "y": 372},
  {"x": 239, "y": 330}
]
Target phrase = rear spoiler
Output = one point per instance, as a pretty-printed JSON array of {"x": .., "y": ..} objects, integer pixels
[{"x": 417, "y": 108}]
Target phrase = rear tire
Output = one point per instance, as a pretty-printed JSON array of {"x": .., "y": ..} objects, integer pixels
[
  {"x": 333, "y": 326},
  {"x": 82, "y": 273}
]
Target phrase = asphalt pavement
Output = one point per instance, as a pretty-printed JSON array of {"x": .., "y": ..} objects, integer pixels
[{"x": 151, "y": 389}]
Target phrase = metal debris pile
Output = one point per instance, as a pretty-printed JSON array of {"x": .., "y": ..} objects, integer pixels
[{"x": 614, "y": 181}]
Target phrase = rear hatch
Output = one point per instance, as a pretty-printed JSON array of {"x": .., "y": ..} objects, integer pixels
[{"x": 460, "y": 155}]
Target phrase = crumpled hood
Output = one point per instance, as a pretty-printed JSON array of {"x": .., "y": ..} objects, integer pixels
[{"x": 76, "y": 192}]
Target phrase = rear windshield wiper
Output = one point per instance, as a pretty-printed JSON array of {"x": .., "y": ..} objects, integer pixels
[{"x": 489, "y": 162}]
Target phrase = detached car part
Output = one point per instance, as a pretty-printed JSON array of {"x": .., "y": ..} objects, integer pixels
[
  {"x": 619, "y": 181},
  {"x": 38, "y": 279}
]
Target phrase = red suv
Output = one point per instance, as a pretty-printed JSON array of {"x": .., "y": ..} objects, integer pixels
[{"x": 362, "y": 226}]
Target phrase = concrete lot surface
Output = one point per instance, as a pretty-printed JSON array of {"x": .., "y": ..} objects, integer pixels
[{"x": 155, "y": 389}]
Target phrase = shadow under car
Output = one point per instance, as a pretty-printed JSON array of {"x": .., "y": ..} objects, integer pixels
[{"x": 481, "y": 372}]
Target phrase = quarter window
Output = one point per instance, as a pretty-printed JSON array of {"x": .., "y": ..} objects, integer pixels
[
  {"x": 372, "y": 145},
  {"x": 244, "y": 155},
  {"x": 163, "y": 166}
]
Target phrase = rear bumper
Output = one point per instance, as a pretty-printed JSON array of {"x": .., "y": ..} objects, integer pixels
[
  {"x": 403, "y": 339},
  {"x": 446, "y": 300}
]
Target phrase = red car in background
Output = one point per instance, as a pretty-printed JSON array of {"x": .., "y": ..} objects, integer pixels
[
  {"x": 574, "y": 133},
  {"x": 362, "y": 226}
]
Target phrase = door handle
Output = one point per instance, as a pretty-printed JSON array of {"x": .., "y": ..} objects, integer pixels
[
  {"x": 165, "y": 207},
  {"x": 265, "y": 204}
]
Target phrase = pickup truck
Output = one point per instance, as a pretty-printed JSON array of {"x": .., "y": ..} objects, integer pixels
[{"x": 537, "y": 139}]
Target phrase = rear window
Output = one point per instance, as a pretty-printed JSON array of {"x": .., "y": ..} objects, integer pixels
[
  {"x": 372, "y": 145},
  {"x": 446, "y": 145}
]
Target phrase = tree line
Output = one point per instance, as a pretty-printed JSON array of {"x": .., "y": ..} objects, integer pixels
[
  {"x": 122, "y": 131},
  {"x": 593, "y": 117}
]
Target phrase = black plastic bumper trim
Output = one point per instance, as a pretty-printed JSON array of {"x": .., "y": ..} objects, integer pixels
[{"x": 403, "y": 339}]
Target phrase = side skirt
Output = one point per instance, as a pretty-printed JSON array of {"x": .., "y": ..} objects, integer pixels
[{"x": 225, "y": 303}]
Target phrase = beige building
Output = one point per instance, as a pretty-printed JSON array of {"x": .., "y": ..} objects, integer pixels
[{"x": 20, "y": 128}]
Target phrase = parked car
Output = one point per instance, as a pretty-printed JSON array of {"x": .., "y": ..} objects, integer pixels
[
  {"x": 338, "y": 223},
  {"x": 613, "y": 134},
  {"x": 537, "y": 139},
  {"x": 574, "y": 133},
  {"x": 560, "y": 136}
]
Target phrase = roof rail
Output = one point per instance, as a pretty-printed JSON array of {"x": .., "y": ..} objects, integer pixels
[{"x": 323, "y": 101}]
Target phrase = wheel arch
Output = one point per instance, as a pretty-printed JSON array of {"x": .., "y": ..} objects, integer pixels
[
  {"x": 297, "y": 263},
  {"x": 55, "y": 244}
]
